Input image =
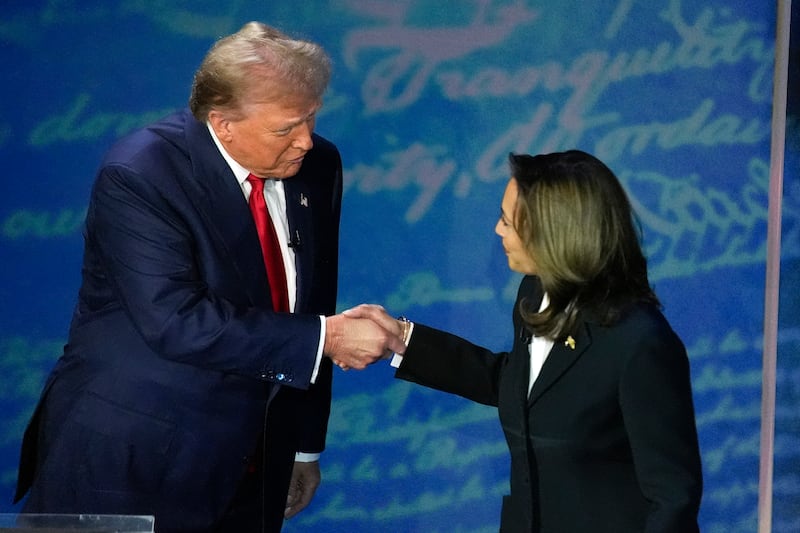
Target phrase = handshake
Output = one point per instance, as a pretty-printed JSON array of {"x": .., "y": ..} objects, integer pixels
[{"x": 360, "y": 336}]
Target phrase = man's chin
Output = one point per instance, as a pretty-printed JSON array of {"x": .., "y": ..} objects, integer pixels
[{"x": 290, "y": 170}]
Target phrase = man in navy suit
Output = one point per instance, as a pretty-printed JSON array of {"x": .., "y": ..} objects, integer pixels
[{"x": 182, "y": 392}]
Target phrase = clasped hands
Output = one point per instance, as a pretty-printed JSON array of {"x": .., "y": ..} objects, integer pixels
[{"x": 360, "y": 336}]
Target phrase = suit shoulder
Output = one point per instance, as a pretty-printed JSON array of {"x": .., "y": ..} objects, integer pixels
[
  {"x": 644, "y": 324},
  {"x": 147, "y": 145},
  {"x": 324, "y": 151},
  {"x": 324, "y": 145},
  {"x": 645, "y": 316}
]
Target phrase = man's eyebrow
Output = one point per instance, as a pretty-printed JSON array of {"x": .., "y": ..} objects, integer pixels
[{"x": 297, "y": 122}]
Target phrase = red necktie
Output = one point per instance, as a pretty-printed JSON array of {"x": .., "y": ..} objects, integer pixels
[{"x": 270, "y": 248}]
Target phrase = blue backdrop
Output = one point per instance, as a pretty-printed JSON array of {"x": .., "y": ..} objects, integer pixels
[{"x": 427, "y": 99}]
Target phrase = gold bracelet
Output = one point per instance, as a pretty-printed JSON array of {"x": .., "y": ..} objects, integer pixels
[{"x": 406, "y": 328}]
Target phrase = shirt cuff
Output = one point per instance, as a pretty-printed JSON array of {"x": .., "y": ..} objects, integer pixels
[
  {"x": 397, "y": 359},
  {"x": 302, "y": 457},
  {"x": 320, "y": 347}
]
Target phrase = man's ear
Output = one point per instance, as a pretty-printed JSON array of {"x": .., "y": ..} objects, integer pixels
[{"x": 220, "y": 124}]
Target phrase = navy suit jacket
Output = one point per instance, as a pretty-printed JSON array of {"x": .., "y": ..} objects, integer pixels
[
  {"x": 606, "y": 440},
  {"x": 174, "y": 353}
]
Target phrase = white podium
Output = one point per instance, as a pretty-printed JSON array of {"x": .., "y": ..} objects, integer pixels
[{"x": 76, "y": 523}]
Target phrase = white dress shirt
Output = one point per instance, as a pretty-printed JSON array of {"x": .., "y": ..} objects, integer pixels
[
  {"x": 539, "y": 349},
  {"x": 276, "y": 204}
]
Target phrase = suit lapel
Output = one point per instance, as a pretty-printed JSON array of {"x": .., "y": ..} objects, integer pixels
[
  {"x": 220, "y": 201},
  {"x": 521, "y": 360},
  {"x": 299, "y": 203},
  {"x": 562, "y": 357}
]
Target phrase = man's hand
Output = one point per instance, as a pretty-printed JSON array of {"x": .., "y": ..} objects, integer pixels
[
  {"x": 305, "y": 480},
  {"x": 353, "y": 342}
]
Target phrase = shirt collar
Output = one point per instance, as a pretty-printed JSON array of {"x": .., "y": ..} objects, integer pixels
[{"x": 545, "y": 302}]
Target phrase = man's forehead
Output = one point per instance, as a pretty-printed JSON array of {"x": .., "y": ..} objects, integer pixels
[{"x": 283, "y": 109}]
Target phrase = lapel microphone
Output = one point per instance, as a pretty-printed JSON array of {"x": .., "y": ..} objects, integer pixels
[
  {"x": 294, "y": 240},
  {"x": 524, "y": 335}
]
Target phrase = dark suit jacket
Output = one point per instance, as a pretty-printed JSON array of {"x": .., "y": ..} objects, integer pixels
[
  {"x": 605, "y": 443},
  {"x": 174, "y": 353}
]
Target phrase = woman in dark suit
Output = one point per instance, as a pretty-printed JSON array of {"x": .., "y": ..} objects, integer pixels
[{"x": 594, "y": 397}]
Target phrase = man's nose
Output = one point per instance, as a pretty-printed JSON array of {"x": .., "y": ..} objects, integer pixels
[{"x": 303, "y": 139}]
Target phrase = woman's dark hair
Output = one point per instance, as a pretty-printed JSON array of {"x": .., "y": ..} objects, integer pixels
[{"x": 577, "y": 224}]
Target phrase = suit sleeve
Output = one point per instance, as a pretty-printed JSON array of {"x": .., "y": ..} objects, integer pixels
[
  {"x": 448, "y": 363},
  {"x": 148, "y": 254},
  {"x": 656, "y": 401}
]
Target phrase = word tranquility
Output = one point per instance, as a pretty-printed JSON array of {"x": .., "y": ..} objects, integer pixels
[{"x": 419, "y": 57}]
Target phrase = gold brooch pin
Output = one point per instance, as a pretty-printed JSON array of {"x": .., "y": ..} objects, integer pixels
[{"x": 570, "y": 342}]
